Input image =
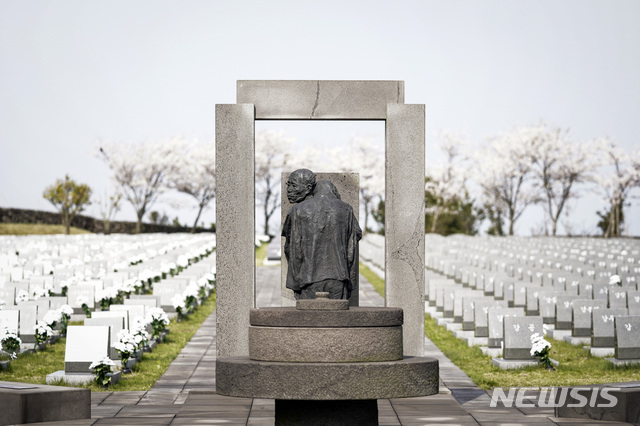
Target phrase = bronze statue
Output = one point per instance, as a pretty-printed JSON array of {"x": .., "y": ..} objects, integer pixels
[{"x": 322, "y": 235}]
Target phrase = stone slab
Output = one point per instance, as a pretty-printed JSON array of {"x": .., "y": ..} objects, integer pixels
[
  {"x": 352, "y": 344},
  {"x": 512, "y": 364},
  {"x": 625, "y": 407},
  {"x": 410, "y": 377},
  {"x": 517, "y": 336},
  {"x": 27, "y": 403},
  {"x": 320, "y": 99},
  {"x": 602, "y": 352},
  {"x": 492, "y": 352},
  {"x": 78, "y": 379},
  {"x": 353, "y": 317}
]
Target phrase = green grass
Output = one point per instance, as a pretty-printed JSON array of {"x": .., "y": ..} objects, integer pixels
[
  {"x": 261, "y": 254},
  {"x": 376, "y": 281},
  {"x": 577, "y": 366},
  {"x": 36, "y": 229},
  {"x": 33, "y": 368}
]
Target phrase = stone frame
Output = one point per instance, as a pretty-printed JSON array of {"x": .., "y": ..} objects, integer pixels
[{"x": 235, "y": 206}]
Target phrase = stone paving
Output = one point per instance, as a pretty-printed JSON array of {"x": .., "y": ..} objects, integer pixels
[{"x": 185, "y": 394}]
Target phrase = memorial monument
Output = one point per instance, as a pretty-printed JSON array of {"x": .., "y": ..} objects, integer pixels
[{"x": 323, "y": 361}]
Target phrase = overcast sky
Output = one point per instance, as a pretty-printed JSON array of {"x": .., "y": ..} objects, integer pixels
[{"x": 74, "y": 72}]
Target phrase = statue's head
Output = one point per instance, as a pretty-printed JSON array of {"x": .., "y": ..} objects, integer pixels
[
  {"x": 326, "y": 188},
  {"x": 300, "y": 185}
]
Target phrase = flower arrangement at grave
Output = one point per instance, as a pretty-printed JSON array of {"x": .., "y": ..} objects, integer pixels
[
  {"x": 204, "y": 288},
  {"x": 39, "y": 292},
  {"x": 22, "y": 296},
  {"x": 138, "y": 329},
  {"x": 101, "y": 369},
  {"x": 179, "y": 305},
  {"x": 541, "y": 348},
  {"x": 52, "y": 317},
  {"x": 615, "y": 280},
  {"x": 65, "y": 315},
  {"x": 42, "y": 332},
  {"x": 158, "y": 320},
  {"x": 168, "y": 269},
  {"x": 126, "y": 348},
  {"x": 191, "y": 296},
  {"x": 82, "y": 301},
  {"x": 106, "y": 297},
  {"x": 182, "y": 262},
  {"x": 10, "y": 343}
]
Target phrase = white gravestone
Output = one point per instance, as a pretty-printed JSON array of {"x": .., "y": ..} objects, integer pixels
[{"x": 84, "y": 346}]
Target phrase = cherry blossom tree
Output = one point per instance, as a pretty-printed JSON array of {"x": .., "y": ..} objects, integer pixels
[
  {"x": 273, "y": 150},
  {"x": 559, "y": 164},
  {"x": 623, "y": 176},
  {"x": 446, "y": 180},
  {"x": 503, "y": 169},
  {"x": 195, "y": 175},
  {"x": 141, "y": 170},
  {"x": 361, "y": 156},
  {"x": 109, "y": 206}
]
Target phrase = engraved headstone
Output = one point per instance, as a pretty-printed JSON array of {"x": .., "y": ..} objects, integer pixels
[
  {"x": 603, "y": 326},
  {"x": 582, "y": 311},
  {"x": 9, "y": 319},
  {"x": 517, "y": 336},
  {"x": 495, "y": 320},
  {"x": 627, "y": 337}
]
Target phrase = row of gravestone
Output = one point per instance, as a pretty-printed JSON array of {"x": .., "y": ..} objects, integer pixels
[
  {"x": 98, "y": 337},
  {"x": 577, "y": 309},
  {"x": 52, "y": 264},
  {"x": 21, "y": 316},
  {"x": 529, "y": 259}
]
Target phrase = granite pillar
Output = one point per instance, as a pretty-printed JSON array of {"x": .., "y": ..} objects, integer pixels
[
  {"x": 235, "y": 209},
  {"x": 404, "y": 222}
]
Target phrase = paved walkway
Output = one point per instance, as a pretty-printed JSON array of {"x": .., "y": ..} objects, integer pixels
[{"x": 185, "y": 394}]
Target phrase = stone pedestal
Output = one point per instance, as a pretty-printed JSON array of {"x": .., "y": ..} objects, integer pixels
[{"x": 326, "y": 366}]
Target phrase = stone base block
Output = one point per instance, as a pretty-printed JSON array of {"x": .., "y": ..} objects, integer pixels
[
  {"x": 602, "y": 352},
  {"x": 477, "y": 341},
  {"x": 26, "y": 403},
  {"x": 454, "y": 326},
  {"x": 78, "y": 378},
  {"x": 620, "y": 362},
  {"x": 444, "y": 321},
  {"x": 306, "y": 344},
  {"x": 621, "y": 403},
  {"x": 327, "y": 413},
  {"x": 558, "y": 334},
  {"x": 512, "y": 364},
  {"x": 463, "y": 335},
  {"x": 409, "y": 377},
  {"x": 492, "y": 352},
  {"x": 577, "y": 340}
]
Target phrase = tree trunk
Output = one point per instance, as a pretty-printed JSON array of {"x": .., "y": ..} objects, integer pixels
[
  {"x": 139, "y": 223},
  {"x": 434, "y": 221},
  {"x": 195, "y": 224}
]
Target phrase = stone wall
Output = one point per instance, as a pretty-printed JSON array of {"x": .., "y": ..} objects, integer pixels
[{"x": 11, "y": 215}]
